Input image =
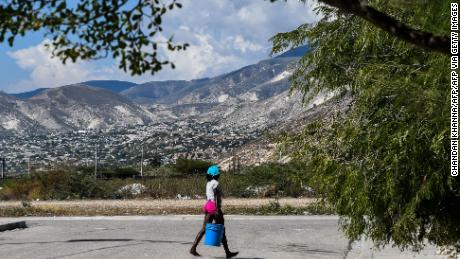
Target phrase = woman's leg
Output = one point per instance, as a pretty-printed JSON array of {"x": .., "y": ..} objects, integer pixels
[
  {"x": 207, "y": 219},
  {"x": 220, "y": 220}
]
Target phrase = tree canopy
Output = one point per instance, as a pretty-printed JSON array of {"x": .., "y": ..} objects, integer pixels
[
  {"x": 129, "y": 31},
  {"x": 383, "y": 164}
]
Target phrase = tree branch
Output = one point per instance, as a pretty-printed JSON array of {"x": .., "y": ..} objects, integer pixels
[{"x": 402, "y": 31}]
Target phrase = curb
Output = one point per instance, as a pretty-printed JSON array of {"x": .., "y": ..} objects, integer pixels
[{"x": 12, "y": 225}]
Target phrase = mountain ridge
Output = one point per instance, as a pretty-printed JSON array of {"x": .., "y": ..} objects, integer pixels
[
  {"x": 119, "y": 86},
  {"x": 252, "y": 96}
]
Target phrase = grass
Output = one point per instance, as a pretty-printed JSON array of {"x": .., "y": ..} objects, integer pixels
[{"x": 160, "y": 207}]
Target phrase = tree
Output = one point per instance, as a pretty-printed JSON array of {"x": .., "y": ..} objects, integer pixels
[
  {"x": 129, "y": 31},
  {"x": 383, "y": 164},
  {"x": 186, "y": 166},
  {"x": 391, "y": 25}
]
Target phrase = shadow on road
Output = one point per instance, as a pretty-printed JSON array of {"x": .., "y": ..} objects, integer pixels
[
  {"x": 100, "y": 240},
  {"x": 302, "y": 248},
  {"x": 138, "y": 242},
  {"x": 128, "y": 240}
]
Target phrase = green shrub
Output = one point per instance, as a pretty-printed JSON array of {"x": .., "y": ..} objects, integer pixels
[
  {"x": 120, "y": 172},
  {"x": 20, "y": 189},
  {"x": 163, "y": 171},
  {"x": 170, "y": 187},
  {"x": 274, "y": 179},
  {"x": 189, "y": 166}
]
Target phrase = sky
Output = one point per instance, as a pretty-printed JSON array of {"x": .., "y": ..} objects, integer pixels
[{"x": 224, "y": 35}]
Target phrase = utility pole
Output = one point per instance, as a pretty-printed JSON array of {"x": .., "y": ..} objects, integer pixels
[
  {"x": 28, "y": 166},
  {"x": 233, "y": 161},
  {"x": 2, "y": 161},
  {"x": 157, "y": 150},
  {"x": 95, "y": 163},
  {"x": 238, "y": 162},
  {"x": 258, "y": 154},
  {"x": 142, "y": 161}
]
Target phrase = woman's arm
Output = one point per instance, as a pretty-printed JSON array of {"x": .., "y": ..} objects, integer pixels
[{"x": 216, "y": 197}]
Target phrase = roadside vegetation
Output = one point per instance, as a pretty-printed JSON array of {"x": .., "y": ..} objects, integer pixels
[
  {"x": 268, "y": 189},
  {"x": 249, "y": 206},
  {"x": 183, "y": 180}
]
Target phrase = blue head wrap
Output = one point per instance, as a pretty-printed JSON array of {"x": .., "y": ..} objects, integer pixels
[{"x": 213, "y": 170}]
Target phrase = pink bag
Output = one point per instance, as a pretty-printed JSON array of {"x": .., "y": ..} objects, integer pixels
[{"x": 210, "y": 207}]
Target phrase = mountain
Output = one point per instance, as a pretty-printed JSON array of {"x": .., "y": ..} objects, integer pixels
[
  {"x": 253, "y": 97},
  {"x": 29, "y": 94},
  {"x": 111, "y": 85},
  {"x": 13, "y": 120},
  {"x": 153, "y": 92},
  {"x": 168, "y": 91},
  {"x": 72, "y": 107},
  {"x": 251, "y": 83}
]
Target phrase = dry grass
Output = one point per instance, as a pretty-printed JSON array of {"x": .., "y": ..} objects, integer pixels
[
  {"x": 152, "y": 207},
  {"x": 157, "y": 203}
]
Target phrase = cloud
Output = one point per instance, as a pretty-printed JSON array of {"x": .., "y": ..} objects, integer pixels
[
  {"x": 226, "y": 35},
  {"x": 244, "y": 45},
  {"x": 201, "y": 59},
  {"x": 223, "y": 35},
  {"x": 46, "y": 71}
]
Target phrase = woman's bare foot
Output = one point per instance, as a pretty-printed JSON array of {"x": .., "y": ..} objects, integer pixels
[
  {"x": 194, "y": 252},
  {"x": 232, "y": 254}
]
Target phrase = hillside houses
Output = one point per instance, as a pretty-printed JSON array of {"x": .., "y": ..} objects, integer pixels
[{"x": 121, "y": 146}]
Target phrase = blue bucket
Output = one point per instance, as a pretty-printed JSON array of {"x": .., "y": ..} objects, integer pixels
[{"x": 214, "y": 233}]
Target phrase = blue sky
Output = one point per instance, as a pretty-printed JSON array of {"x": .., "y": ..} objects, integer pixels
[{"x": 224, "y": 35}]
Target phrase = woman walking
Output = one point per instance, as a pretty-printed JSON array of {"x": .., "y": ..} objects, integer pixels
[{"x": 212, "y": 210}]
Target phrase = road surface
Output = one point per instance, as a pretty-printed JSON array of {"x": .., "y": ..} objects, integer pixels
[{"x": 171, "y": 237}]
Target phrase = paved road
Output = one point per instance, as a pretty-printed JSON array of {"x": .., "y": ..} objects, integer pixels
[{"x": 171, "y": 236}]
